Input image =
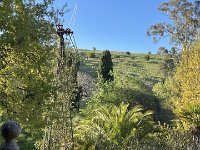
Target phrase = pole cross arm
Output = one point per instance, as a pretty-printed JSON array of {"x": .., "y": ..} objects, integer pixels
[{"x": 68, "y": 31}]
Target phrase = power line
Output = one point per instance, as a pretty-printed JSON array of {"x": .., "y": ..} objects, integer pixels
[{"x": 73, "y": 17}]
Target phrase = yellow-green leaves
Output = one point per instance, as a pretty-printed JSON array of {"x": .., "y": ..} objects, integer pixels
[
  {"x": 27, "y": 71},
  {"x": 188, "y": 75}
]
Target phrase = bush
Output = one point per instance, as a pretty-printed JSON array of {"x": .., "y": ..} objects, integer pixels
[
  {"x": 168, "y": 138},
  {"x": 104, "y": 131},
  {"x": 91, "y": 55},
  {"x": 147, "y": 57},
  {"x": 128, "y": 53}
]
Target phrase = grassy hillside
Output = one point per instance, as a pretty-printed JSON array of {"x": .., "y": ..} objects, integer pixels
[{"x": 138, "y": 65}]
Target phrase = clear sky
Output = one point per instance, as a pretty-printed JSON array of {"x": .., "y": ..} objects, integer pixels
[{"x": 116, "y": 25}]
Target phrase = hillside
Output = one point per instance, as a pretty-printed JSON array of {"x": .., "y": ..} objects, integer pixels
[{"x": 137, "y": 63}]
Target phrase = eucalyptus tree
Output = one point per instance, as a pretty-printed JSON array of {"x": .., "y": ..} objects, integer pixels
[{"x": 185, "y": 17}]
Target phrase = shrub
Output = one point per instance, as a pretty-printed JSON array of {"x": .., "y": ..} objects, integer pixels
[
  {"x": 147, "y": 57},
  {"x": 110, "y": 127},
  {"x": 91, "y": 55}
]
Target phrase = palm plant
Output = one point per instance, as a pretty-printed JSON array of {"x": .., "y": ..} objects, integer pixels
[{"x": 112, "y": 127}]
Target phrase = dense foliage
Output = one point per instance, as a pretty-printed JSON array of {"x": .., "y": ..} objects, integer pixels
[
  {"x": 26, "y": 82},
  {"x": 151, "y": 104},
  {"x": 111, "y": 127},
  {"x": 31, "y": 90}
]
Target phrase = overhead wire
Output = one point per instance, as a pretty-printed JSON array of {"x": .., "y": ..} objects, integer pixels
[
  {"x": 72, "y": 39},
  {"x": 75, "y": 11},
  {"x": 71, "y": 25},
  {"x": 73, "y": 17}
]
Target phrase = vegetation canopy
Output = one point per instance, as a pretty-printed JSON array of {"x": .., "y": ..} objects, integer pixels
[{"x": 69, "y": 98}]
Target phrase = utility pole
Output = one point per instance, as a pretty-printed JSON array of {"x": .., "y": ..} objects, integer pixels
[
  {"x": 62, "y": 55},
  {"x": 62, "y": 64}
]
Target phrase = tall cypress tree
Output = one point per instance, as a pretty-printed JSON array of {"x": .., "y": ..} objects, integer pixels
[{"x": 106, "y": 67}]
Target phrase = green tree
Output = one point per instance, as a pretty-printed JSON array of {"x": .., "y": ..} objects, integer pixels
[
  {"x": 31, "y": 91},
  {"x": 27, "y": 43},
  {"x": 185, "y": 22},
  {"x": 106, "y": 67}
]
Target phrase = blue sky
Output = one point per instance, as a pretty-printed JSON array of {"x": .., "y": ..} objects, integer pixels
[{"x": 116, "y": 25}]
